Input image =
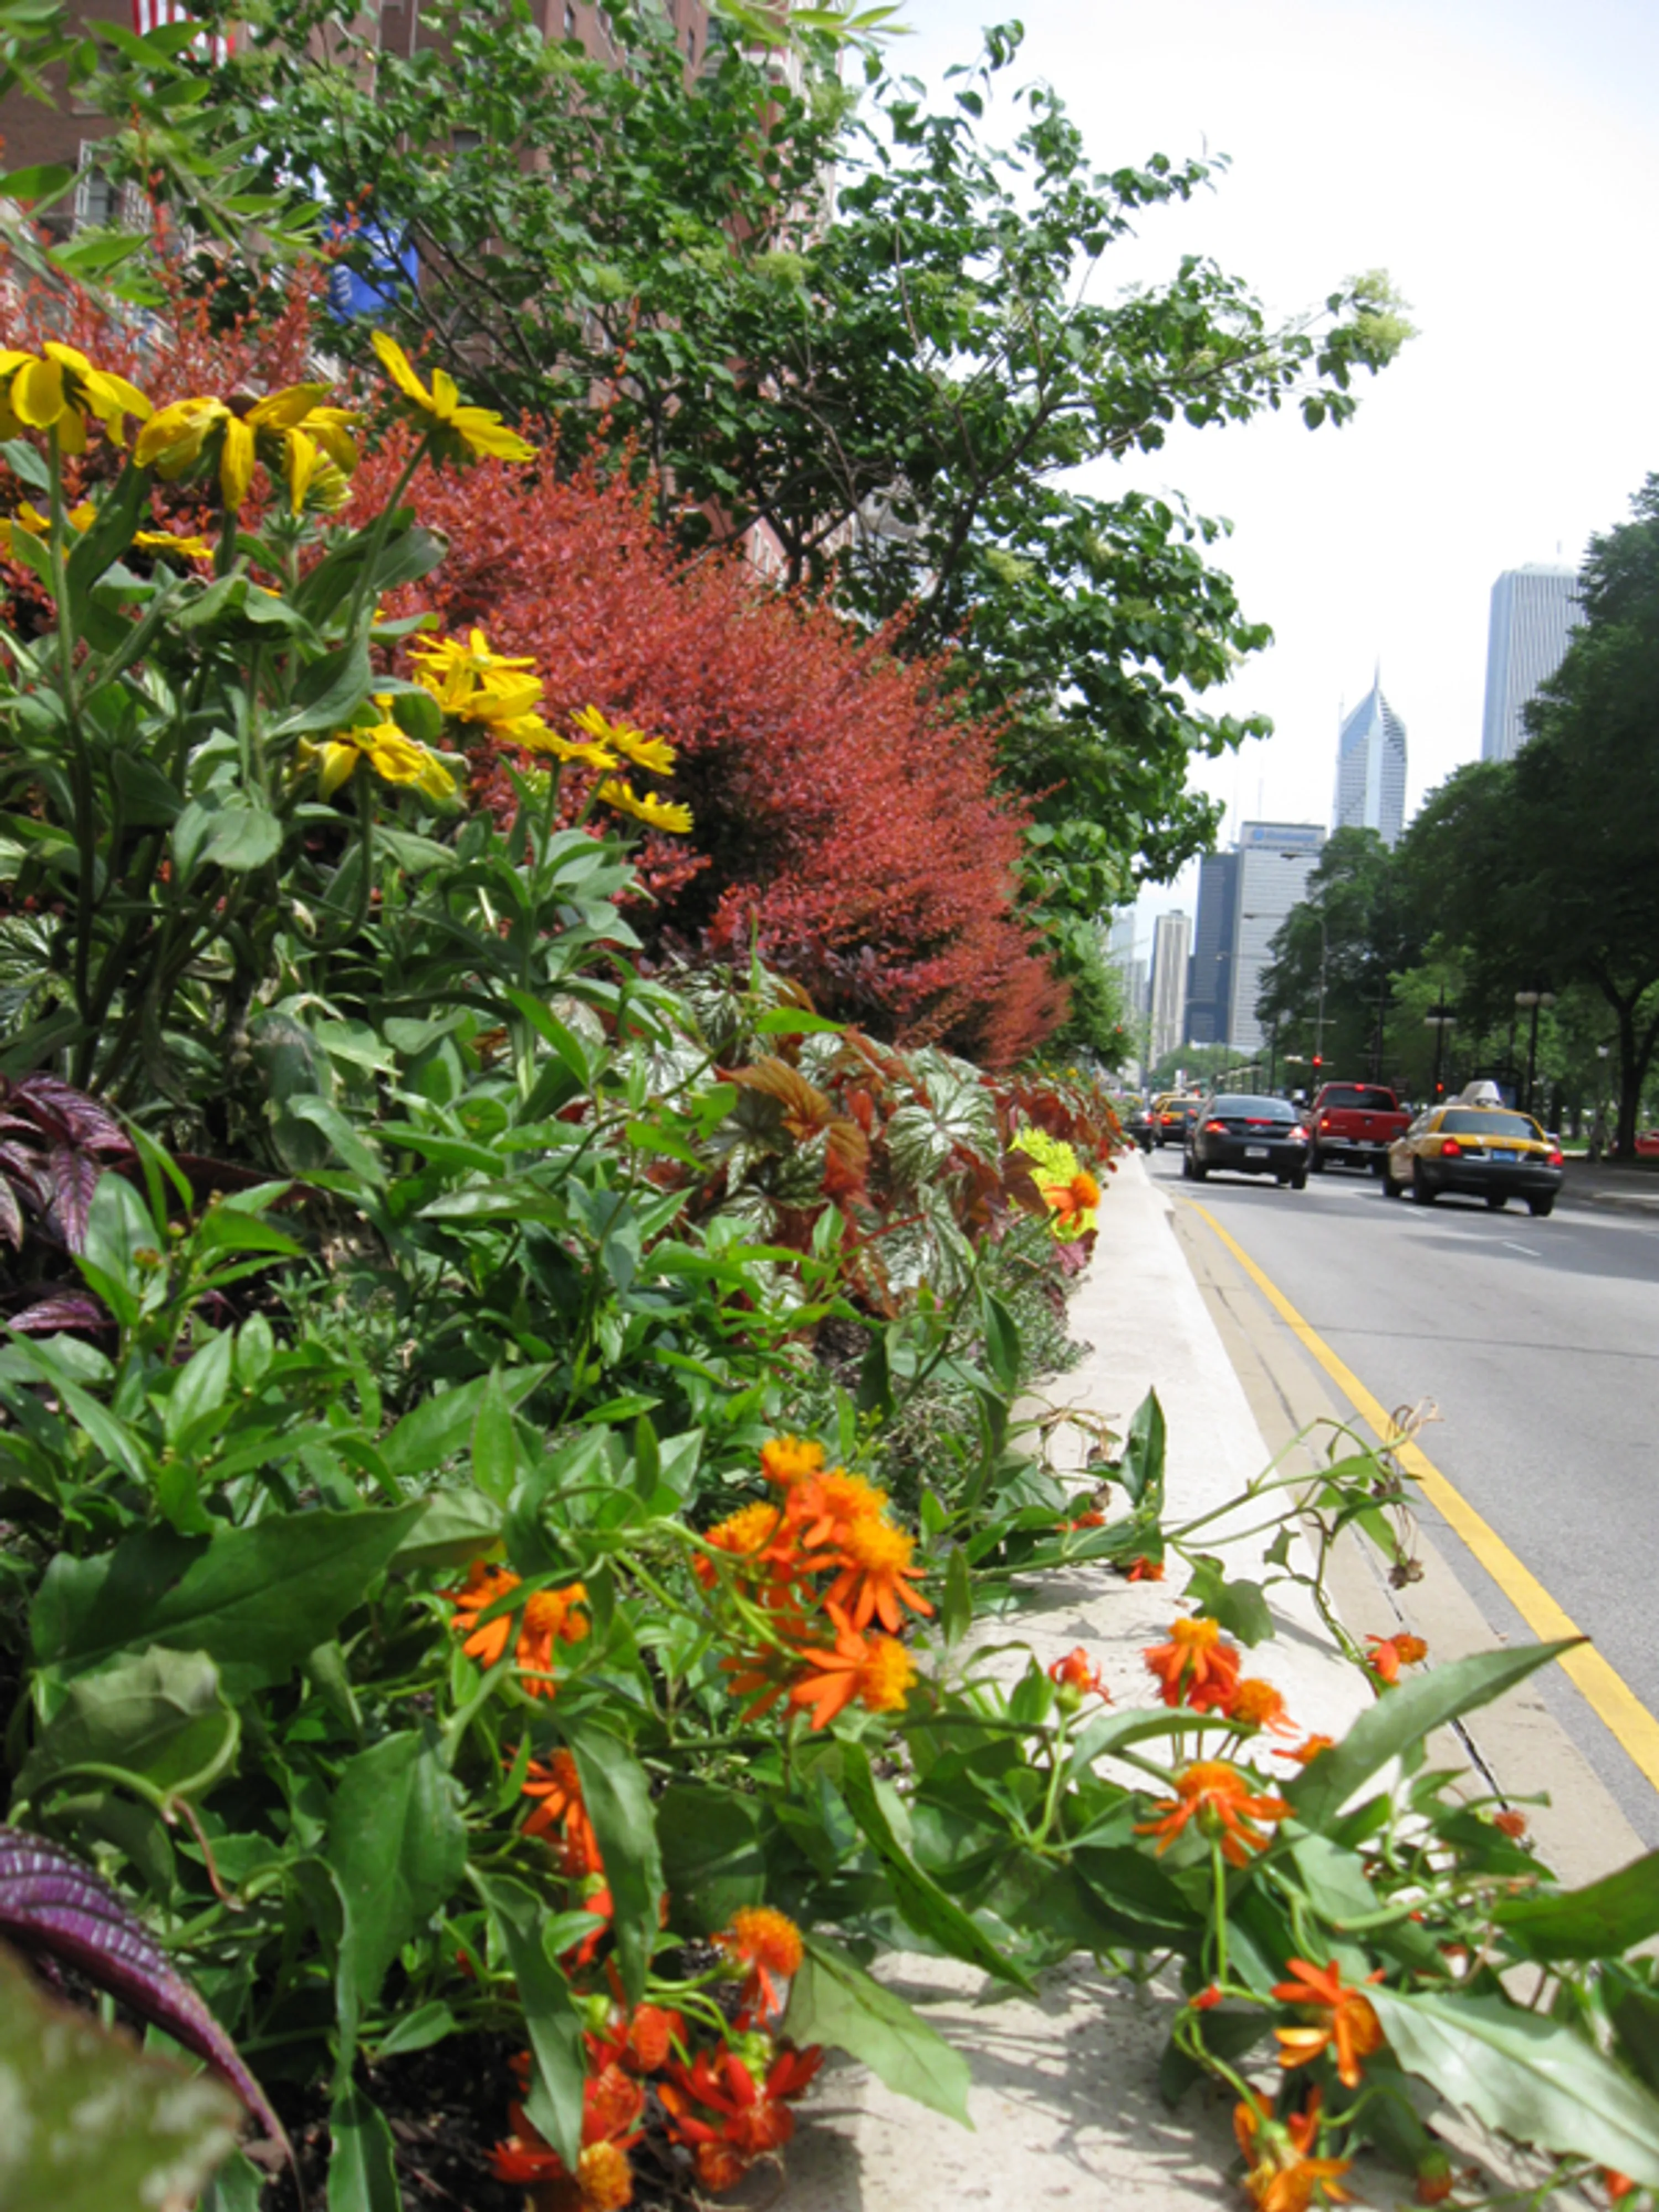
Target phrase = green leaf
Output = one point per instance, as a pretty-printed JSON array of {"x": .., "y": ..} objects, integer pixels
[
  {"x": 617, "y": 1796},
  {"x": 833, "y": 2001},
  {"x": 712, "y": 1859},
  {"x": 362, "y": 2168},
  {"x": 329, "y": 693},
  {"x": 119, "y": 1229},
  {"x": 359, "y": 1156},
  {"x": 1002, "y": 1344},
  {"x": 94, "y": 2124},
  {"x": 795, "y": 1021},
  {"x": 395, "y": 1848},
  {"x": 1528, "y": 2075},
  {"x": 199, "y": 1388},
  {"x": 418, "y": 2030},
  {"x": 256, "y": 1600},
  {"x": 43, "y": 181},
  {"x": 440, "y": 1426},
  {"x": 1239, "y": 1607},
  {"x": 162, "y": 1717},
  {"x": 957, "y": 1604},
  {"x": 242, "y": 835},
  {"x": 1141, "y": 1469},
  {"x": 920, "y": 1901},
  {"x": 1405, "y": 1715},
  {"x": 495, "y": 1442},
  {"x": 554, "y": 2026},
  {"x": 1598, "y": 1921},
  {"x": 456, "y": 1527}
]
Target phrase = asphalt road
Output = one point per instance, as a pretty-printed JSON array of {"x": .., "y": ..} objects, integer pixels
[{"x": 1538, "y": 1342}]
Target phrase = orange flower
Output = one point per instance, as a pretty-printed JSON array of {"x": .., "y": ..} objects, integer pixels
[
  {"x": 1346, "y": 2020},
  {"x": 1143, "y": 1570},
  {"x": 876, "y": 1670},
  {"x": 757, "y": 1536},
  {"x": 557, "y": 1786},
  {"x": 1206, "y": 2000},
  {"x": 769, "y": 1943},
  {"x": 1389, "y": 1654},
  {"x": 1195, "y": 1668},
  {"x": 1073, "y": 1672},
  {"x": 483, "y": 1587},
  {"x": 550, "y": 1616},
  {"x": 1219, "y": 1798},
  {"x": 1256, "y": 1704},
  {"x": 740, "y": 2116},
  {"x": 604, "y": 2179},
  {"x": 876, "y": 1574},
  {"x": 826, "y": 1507},
  {"x": 1305, "y": 1753},
  {"x": 1093, "y": 1519},
  {"x": 1512, "y": 1824},
  {"x": 1282, "y": 2177},
  {"x": 1619, "y": 2185},
  {"x": 1434, "y": 2179},
  {"x": 788, "y": 1460},
  {"x": 652, "y": 2033}
]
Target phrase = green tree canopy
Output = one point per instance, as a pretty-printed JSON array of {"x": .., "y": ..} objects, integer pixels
[{"x": 1340, "y": 948}]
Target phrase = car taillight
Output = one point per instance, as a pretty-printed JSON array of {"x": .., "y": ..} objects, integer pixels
[
  {"x": 1555, "y": 1159},
  {"x": 1324, "y": 1120},
  {"x": 1297, "y": 1135},
  {"x": 1215, "y": 1129},
  {"x": 1450, "y": 1149}
]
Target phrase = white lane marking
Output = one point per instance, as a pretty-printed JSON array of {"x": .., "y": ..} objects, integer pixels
[{"x": 1527, "y": 1249}]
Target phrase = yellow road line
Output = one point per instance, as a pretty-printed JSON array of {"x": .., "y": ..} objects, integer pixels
[{"x": 1610, "y": 1696}]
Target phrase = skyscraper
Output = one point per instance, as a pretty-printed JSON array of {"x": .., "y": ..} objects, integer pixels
[
  {"x": 1172, "y": 935},
  {"x": 1209, "y": 972},
  {"x": 1532, "y": 613},
  {"x": 1370, "y": 769},
  {"x": 1275, "y": 860}
]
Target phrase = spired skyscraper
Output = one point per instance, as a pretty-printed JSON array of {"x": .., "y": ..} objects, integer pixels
[
  {"x": 1532, "y": 613},
  {"x": 1370, "y": 769}
]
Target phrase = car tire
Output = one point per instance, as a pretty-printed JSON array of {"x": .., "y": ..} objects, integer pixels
[
  {"x": 1496, "y": 1200},
  {"x": 1380, "y": 1167},
  {"x": 1317, "y": 1161},
  {"x": 1541, "y": 1208},
  {"x": 1185, "y": 1167},
  {"x": 1299, "y": 1182},
  {"x": 1198, "y": 1168},
  {"x": 1422, "y": 1190},
  {"x": 1390, "y": 1187}
]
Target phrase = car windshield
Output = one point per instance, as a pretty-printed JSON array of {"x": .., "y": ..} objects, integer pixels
[
  {"x": 1487, "y": 1124},
  {"x": 1353, "y": 1094},
  {"x": 1255, "y": 1109}
]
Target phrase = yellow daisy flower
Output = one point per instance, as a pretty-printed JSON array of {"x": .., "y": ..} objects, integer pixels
[
  {"x": 655, "y": 813},
  {"x": 390, "y": 752},
  {"x": 58, "y": 389},
  {"x": 653, "y": 753},
  {"x": 452, "y": 426}
]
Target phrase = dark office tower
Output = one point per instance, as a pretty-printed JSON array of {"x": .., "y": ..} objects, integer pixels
[{"x": 1210, "y": 971}]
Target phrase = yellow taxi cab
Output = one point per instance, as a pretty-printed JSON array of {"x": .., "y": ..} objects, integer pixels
[
  {"x": 1171, "y": 1114},
  {"x": 1476, "y": 1147}
]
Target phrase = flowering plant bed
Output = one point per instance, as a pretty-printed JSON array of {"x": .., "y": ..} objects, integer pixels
[{"x": 503, "y": 1453}]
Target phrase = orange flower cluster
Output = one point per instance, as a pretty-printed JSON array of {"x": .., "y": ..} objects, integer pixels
[
  {"x": 1344, "y": 2020},
  {"x": 545, "y": 1618},
  {"x": 1389, "y": 1654},
  {"x": 1281, "y": 2176},
  {"x": 1216, "y": 1794},
  {"x": 826, "y": 1547},
  {"x": 726, "y": 2117},
  {"x": 1195, "y": 1668},
  {"x": 1073, "y": 1673},
  {"x": 769, "y": 1943}
]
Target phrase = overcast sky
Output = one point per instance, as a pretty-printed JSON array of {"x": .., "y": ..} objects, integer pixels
[{"x": 1500, "y": 159}]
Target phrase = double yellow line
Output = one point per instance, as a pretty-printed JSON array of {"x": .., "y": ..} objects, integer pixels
[{"x": 1610, "y": 1696}]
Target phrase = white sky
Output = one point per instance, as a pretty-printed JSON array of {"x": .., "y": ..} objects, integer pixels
[{"x": 1500, "y": 159}]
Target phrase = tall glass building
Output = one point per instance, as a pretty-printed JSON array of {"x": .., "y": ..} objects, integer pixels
[
  {"x": 1532, "y": 613},
  {"x": 1370, "y": 769}
]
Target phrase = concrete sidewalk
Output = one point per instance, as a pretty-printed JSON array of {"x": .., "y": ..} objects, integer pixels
[
  {"x": 1065, "y": 2099},
  {"x": 1627, "y": 1186}
]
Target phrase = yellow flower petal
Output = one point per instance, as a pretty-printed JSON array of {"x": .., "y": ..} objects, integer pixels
[
  {"x": 335, "y": 764},
  {"x": 282, "y": 410},
  {"x": 300, "y": 456},
  {"x": 487, "y": 434},
  {"x": 395, "y": 362},
  {"x": 235, "y": 464},
  {"x": 37, "y": 393}
]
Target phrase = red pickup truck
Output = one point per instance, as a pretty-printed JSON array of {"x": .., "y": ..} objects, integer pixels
[{"x": 1352, "y": 1125}]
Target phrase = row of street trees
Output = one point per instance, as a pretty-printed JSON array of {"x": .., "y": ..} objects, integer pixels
[{"x": 1524, "y": 901}]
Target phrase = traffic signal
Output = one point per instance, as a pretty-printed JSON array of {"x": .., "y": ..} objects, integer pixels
[{"x": 1318, "y": 1062}]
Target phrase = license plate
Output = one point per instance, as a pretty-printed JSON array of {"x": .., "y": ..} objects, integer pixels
[
  {"x": 1255, "y": 1151},
  {"x": 1503, "y": 1156}
]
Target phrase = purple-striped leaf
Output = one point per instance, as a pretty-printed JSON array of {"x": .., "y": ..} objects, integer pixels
[
  {"x": 51, "y": 1903},
  {"x": 88, "y": 1125},
  {"x": 11, "y": 1215},
  {"x": 75, "y": 1177},
  {"x": 66, "y": 1309}
]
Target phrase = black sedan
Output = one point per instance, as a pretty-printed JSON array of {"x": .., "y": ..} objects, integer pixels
[{"x": 1247, "y": 1136}]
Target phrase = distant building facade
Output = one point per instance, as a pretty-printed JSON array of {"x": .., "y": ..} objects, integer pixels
[
  {"x": 1172, "y": 938},
  {"x": 1370, "y": 769},
  {"x": 1275, "y": 860},
  {"x": 1210, "y": 970},
  {"x": 1534, "y": 611}
]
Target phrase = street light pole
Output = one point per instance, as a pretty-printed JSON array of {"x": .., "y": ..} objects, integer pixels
[
  {"x": 1534, "y": 1000},
  {"x": 1319, "y": 1019},
  {"x": 1439, "y": 1021}
]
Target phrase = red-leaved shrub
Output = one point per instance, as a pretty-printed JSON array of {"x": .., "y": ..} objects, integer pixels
[{"x": 850, "y": 826}]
